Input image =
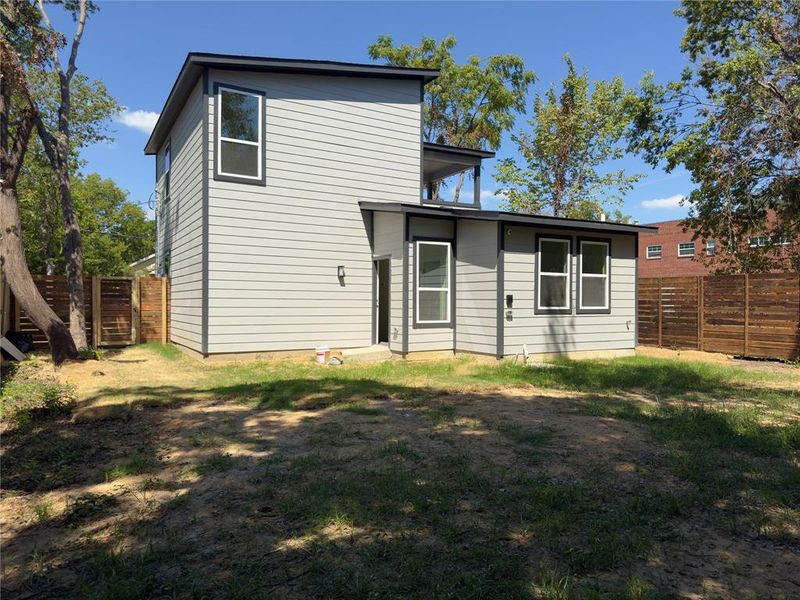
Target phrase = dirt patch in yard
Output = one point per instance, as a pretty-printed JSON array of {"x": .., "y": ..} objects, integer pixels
[{"x": 188, "y": 485}]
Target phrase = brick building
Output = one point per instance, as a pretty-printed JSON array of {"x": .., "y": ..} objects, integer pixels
[{"x": 672, "y": 253}]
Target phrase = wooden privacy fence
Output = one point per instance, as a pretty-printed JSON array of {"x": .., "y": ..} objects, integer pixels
[
  {"x": 754, "y": 315},
  {"x": 120, "y": 311}
]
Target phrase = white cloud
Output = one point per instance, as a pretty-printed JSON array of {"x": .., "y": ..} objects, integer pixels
[
  {"x": 671, "y": 202},
  {"x": 143, "y": 120}
]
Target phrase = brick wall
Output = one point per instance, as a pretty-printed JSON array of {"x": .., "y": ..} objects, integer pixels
[{"x": 670, "y": 234}]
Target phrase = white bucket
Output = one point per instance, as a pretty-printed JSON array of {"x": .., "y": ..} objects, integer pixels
[{"x": 322, "y": 352}]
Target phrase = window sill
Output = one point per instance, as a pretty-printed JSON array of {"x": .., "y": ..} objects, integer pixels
[
  {"x": 552, "y": 311},
  {"x": 233, "y": 179},
  {"x": 593, "y": 311},
  {"x": 433, "y": 326}
]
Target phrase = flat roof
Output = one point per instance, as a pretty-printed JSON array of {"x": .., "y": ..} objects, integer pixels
[
  {"x": 423, "y": 210},
  {"x": 193, "y": 66}
]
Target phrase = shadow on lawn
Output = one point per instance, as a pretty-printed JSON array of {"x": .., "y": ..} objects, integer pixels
[{"x": 366, "y": 501}]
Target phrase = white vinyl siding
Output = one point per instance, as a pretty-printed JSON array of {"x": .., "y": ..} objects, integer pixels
[
  {"x": 558, "y": 333},
  {"x": 274, "y": 250},
  {"x": 476, "y": 287},
  {"x": 180, "y": 220}
]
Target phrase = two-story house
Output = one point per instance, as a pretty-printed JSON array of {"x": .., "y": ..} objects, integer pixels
[{"x": 292, "y": 212}]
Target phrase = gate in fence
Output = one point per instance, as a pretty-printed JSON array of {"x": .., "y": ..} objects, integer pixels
[
  {"x": 120, "y": 311},
  {"x": 755, "y": 315}
]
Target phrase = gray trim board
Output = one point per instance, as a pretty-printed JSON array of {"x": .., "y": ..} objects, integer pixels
[
  {"x": 204, "y": 208},
  {"x": 406, "y": 228},
  {"x": 196, "y": 62},
  {"x": 578, "y": 269},
  {"x": 501, "y": 285},
  {"x": 537, "y": 263},
  {"x": 636, "y": 293},
  {"x": 375, "y": 316},
  {"x": 464, "y": 212},
  {"x": 458, "y": 150}
]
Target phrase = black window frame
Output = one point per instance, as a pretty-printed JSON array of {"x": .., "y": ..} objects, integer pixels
[
  {"x": 449, "y": 324},
  {"x": 262, "y": 146},
  {"x": 579, "y": 256},
  {"x": 537, "y": 310}
]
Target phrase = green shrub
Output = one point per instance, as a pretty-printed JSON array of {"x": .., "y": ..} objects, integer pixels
[
  {"x": 28, "y": 395},
  {"x": 91, "y": 354}
]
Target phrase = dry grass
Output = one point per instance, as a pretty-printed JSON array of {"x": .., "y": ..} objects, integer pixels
[{"x": 641, "y": 478}]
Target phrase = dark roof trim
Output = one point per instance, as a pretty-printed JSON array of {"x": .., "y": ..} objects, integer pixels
[
  {"x": 458, "y": 150},
  {"x": 505, "y": 217},
  {"x": 195, "y": 61}
]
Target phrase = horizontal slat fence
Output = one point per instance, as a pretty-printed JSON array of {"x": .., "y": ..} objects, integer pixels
[
  {"x": 119, "y": 311},
  {"x": 755, "y": 315}
]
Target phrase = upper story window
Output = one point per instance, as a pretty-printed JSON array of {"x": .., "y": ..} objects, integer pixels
[
  {"x": 553, "y": 278},
  {"x": 711, "y": 247},
  {"x": 593, "y": 280},
  {"x": 433, "y": 283},
  {"x": 240, "y": 135},
  {"x": 756, "y": 241},
  {"x": 165, "y": 167},
  {"x": 685, "y": 249},
  {"x": 654, "y": 251}
]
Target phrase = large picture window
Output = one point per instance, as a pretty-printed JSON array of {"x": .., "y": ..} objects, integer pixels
[
  {"x": 240, "y": 134},
  {"x": 433, "y": 283},
  {"x": 553, "y": 293},
  {"x": 593, "y": 280}
]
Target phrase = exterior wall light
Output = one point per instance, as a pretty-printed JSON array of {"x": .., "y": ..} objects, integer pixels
[{"x": 340, "y": 271}]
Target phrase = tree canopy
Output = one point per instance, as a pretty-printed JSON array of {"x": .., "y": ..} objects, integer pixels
[
  {"x": 733, "y": 121},
  {"x": 575, "y": 131},
  {"x": 470, "y": 104}
]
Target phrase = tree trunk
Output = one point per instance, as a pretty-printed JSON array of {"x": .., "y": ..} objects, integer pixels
[
  {"x": 457, "y": 193},
  {"x": 73, "y": 262},
  {"x": 19, "y": 279}
]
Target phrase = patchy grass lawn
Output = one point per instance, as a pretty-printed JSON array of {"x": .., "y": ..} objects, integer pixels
[{"x": 631, "y": 478}]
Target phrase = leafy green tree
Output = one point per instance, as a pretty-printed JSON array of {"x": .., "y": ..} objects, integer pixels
[
  {"x": 469, "y": 104},
  {"x": 575, "y": 132},
  {"x": 733, "y": 121},
  {"x": 115, "y": 231}
]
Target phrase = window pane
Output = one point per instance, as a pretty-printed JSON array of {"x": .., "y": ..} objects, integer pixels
[
  {"x": 432, "y": 306},
  {"x": 239, "y": 159},
  {"x": 553, "y": 293},
  {"x": 594, "y": 258},
  {"x": 432, "y": 264},
  {"x": 553, "y": 256},
  {"x": 593, "y": 292},
  {"x": 239, "y": 116}
]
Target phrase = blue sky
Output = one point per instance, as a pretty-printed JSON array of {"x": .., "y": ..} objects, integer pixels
[{"x": 137, "y": 48}]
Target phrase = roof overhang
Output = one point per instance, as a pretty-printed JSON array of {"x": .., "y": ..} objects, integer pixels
[
  {"x": 452, "y": 212},
  {"x": 196, "y": 62},
  {"x": 440, "y": 161}
]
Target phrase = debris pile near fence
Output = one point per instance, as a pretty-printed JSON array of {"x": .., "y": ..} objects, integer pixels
[
  {"x": 120, "y": 311},
  {"x": 756, "y": 315}
]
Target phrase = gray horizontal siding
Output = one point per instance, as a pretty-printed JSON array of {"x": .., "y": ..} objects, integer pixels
[
  {"x": 476, "y": 287},
  {"x": 273, "y": 250},
  {"x": 180, "y": 222},
  {"x": 572, "y": 332}
]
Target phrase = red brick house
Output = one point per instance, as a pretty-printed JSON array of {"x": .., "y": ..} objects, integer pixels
[{"x": 672, "y": 253}]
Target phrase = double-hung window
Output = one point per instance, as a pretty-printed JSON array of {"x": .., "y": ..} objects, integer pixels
[
  {"x": 552, "y": 285},
  {"x": 433, "y": 283},
  {"x": 685, "y": 249},
  {"x": 654, "y": 251},
  {"x": 711, "y": 247},
  {"x": 240, "y": 135},
  {"x": 593, "y": 280}
]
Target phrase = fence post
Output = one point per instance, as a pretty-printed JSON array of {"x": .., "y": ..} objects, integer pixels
[
  {"x": 746, "y": 312},
  {"x": 659, "y": 312},
  {"x": 136, "y": 318},
  {"x": 164, "y": 310},
  {"x": 96, "y": 311}
]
